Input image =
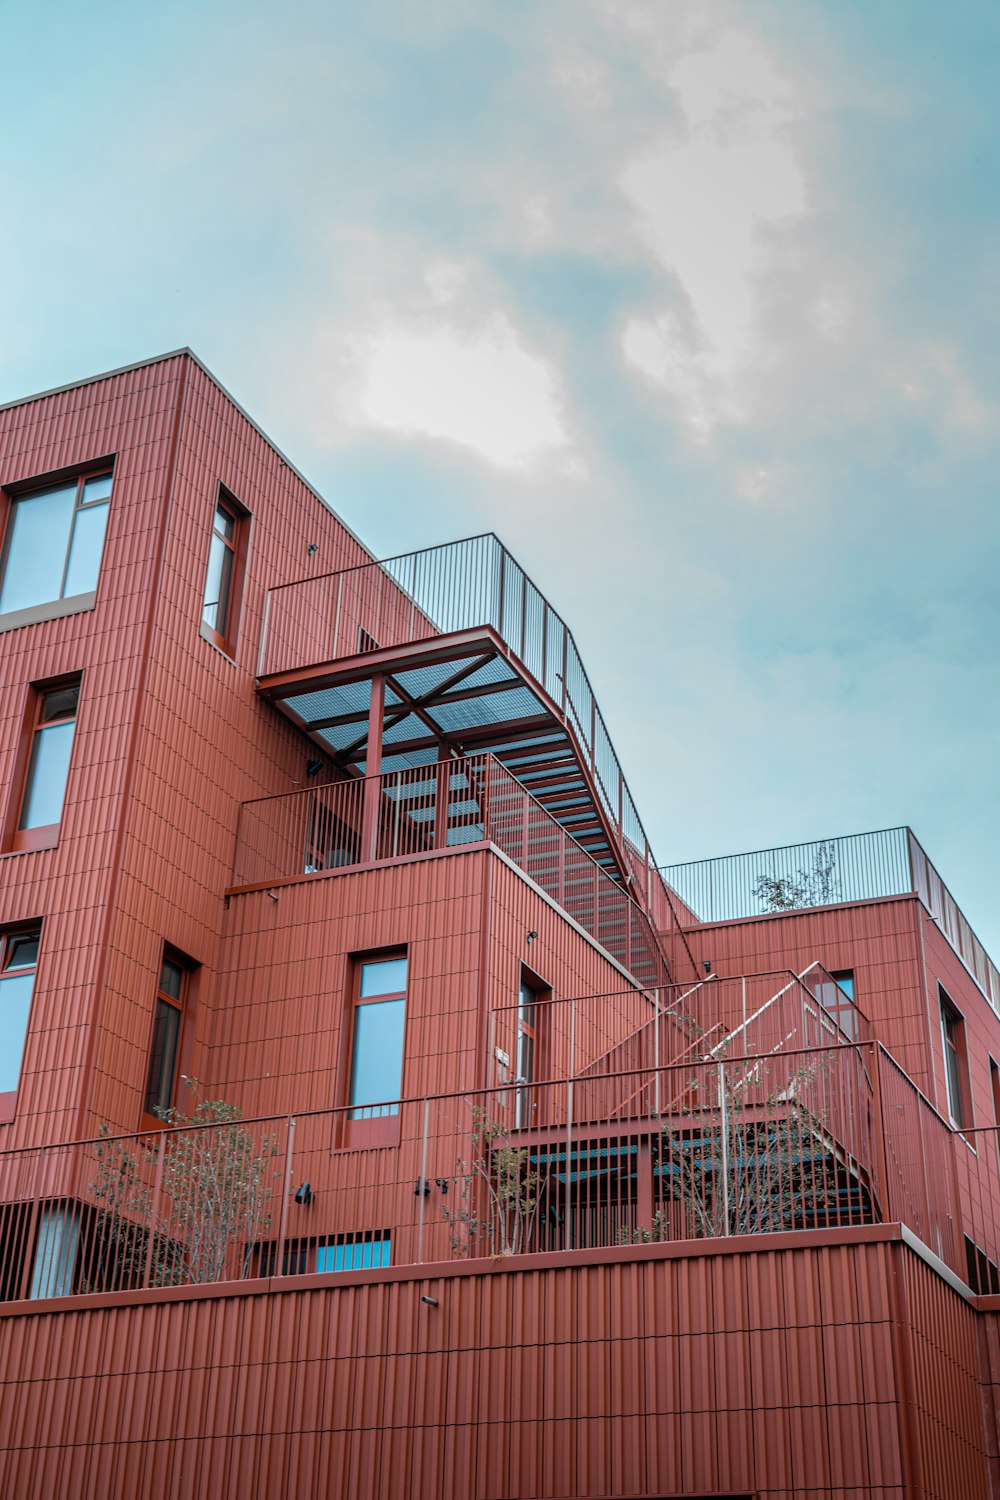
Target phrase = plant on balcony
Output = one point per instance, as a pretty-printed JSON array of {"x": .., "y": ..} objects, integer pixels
[
  {"x": 209, "y": 1211},
  {"x": 754, "y": 1164},
  {"x": 498, "y": 1192},
  {"x": 817, "y": 886}
]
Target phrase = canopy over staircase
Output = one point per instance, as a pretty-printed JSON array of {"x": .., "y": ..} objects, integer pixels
[{"x": 452, "y": 651}]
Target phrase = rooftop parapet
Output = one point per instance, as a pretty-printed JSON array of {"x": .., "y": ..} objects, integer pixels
[{"x": 829, "y": 872}]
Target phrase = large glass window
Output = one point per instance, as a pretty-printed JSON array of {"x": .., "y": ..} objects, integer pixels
[
  {"x": 955, "y": 1062},
  {"x": 164, "y": 1049},
  {"x": 18, "y": 961},
  {"x": 54, "y": 542},
  {"x": 52, "y": 733},
  {"x": 377, "y": 1042},
  {"x": 224, "y": 576}
]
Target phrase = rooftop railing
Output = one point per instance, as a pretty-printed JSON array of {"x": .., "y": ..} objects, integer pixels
[
  {"x": 813, "y": 1138},
  {"x": 856, "y": 867},
  {"x": 456, "y": 803},
  {"x": 438, "y": 590}
]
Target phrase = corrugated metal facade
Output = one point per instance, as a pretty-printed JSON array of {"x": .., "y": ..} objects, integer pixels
[
  {"x": 771, "y": 1374},
  {"x": 815, "y": 1368}
]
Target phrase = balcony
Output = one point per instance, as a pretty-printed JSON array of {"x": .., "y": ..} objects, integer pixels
[
  {"x": 393, "y": 665},
  {"x": 827, "y": 872},
  {"x": 830, "y": 1137},
  {"x": 459, "y": 803}
]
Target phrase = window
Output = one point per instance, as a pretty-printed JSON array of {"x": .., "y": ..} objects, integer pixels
[
  {"x": 354, "y": 1252},
  {"x": 54, "y": 542},
  {"x": 366, "y": 641},
  {"x": 18, "y": 961},
  {"x": 370, "y": 1250},
  {"x": 47, "y": 747},
  {"x": 995, "y": 1092},
  {"x": 955, "y": 1062},
  {"x": 377, "y": 1039},
  {"x": 168, "y": 1028},
  {"x": 220, "y": 613},
  {"x": 526, "y": 1056}
]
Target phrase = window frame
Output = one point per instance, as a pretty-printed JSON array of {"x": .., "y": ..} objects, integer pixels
[
  {"x": 360, "y": 1127},
  {"x": 535, "y": 1032},
  {"x": 956, "y": 1062},
  {"x": 9, "y": 935},
  {"x": 183, "y": 1005},
  {"x": 18, "y": 840},
  {"x": 227, "y": 638},
  {"x": 30, "y": 489}
]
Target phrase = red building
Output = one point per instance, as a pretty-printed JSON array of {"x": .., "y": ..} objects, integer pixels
[{"x": 517, "y": 1165}]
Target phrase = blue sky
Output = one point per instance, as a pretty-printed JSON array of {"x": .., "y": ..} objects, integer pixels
[{"x": 695, "y": 304}]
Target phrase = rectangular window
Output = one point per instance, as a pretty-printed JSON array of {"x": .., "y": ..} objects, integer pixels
[
  {"x": 955, "y": 1062},
  {"x": 168, "y": 1026},
  {"x": 995, "y": 1092},
  {"x": 220, "y": 614},
  {"x": 527, "y": 1036},
  {"x": 377, "y": 1038},
  {"x": 47, "y": 747},
  {"x": 354, "y": 1252},
  {"x": 370, "y": 1250},
  {"x": 18, "y": 962},
  {"x": 54, "y": 541}
]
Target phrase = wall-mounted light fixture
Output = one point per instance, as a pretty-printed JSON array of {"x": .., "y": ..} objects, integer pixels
[
  {"x": 430, "y": 1301},
  {"x": 313, "y": 767},
  {"x": 304, "y": 1193},
  {"x": 312, "y": 547},
  {"x": 531, "y": 938}
]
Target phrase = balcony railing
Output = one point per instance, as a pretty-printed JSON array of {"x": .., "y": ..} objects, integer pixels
[
  {"x": 622, "y": 1032},
  {"x": 857, "y": 867},
  {"x": 459, "y": 802},
  {"x": 439, "y": 590},
  {"x": 804, "y": 1139}
]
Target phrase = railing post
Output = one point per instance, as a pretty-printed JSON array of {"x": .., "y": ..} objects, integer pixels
[
  {"x": 373, "y": 768},
  {"x": 565, "y": 668},
  {"x": 279, "y": 1249},
  {"x": 154, "y": 1203},
  {"x": 264, "y": 625},
  {"x": 421, "y": 1195},
  {"x": 413, "y": 599},
  {"x": 567, "y": 1245},
  {"x": 442, "y": 776},
  {"x": 724, "y": 1135},
  {"x": 881, "y": 1155}
]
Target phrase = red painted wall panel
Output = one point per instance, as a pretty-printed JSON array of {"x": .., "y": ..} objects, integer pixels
[{"x": 773, "y": 1374}]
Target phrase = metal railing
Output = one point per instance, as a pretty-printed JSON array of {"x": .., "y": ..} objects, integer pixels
[
  {"x": 438, "y": 590},
  {"x": 615, "y": 1034},
  {"x": 746, "y": 1146},
  {"x": 458, "y": 802},
  {"x": 854, "y": 867},
  {"x": 804, "y": 1138}
]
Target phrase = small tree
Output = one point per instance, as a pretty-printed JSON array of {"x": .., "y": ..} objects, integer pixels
[
  {"x": 817, "y": 886},
  {"x": 215, "y": 1187},
  {"x": 498, "y": 1193},
  {"x": 749, "y": 1167}
]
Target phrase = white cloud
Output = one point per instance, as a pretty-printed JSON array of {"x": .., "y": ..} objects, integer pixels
[
  {"x": 712, "y": 200},
  {"x": 479, "y": 387}
]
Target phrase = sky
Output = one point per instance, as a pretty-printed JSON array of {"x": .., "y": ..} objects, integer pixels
[{"x": 695, "y": 304}]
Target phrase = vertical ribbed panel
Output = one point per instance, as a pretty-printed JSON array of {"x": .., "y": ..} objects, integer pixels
[{"x": 768, "y": 1375}]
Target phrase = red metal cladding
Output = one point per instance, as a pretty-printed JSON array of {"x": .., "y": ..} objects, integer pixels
[{"x": 678, "y": 1355}]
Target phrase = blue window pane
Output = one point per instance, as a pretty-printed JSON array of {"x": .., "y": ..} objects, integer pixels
[
  {"x": 386, "y": 977},
  {"x": 354, "y": 1255},
  {"x": 220, "y": 566},
  {"x": 85, "y": 551},
  {"x": 98, "y": 488},
  {"x": 846, "y": 982},
  {"x": 377, "y": 1067},
  {"x": 47, "y": 771},
  {"x": 39, "y": 532},
  {"x": 15, "y": 1002}
]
